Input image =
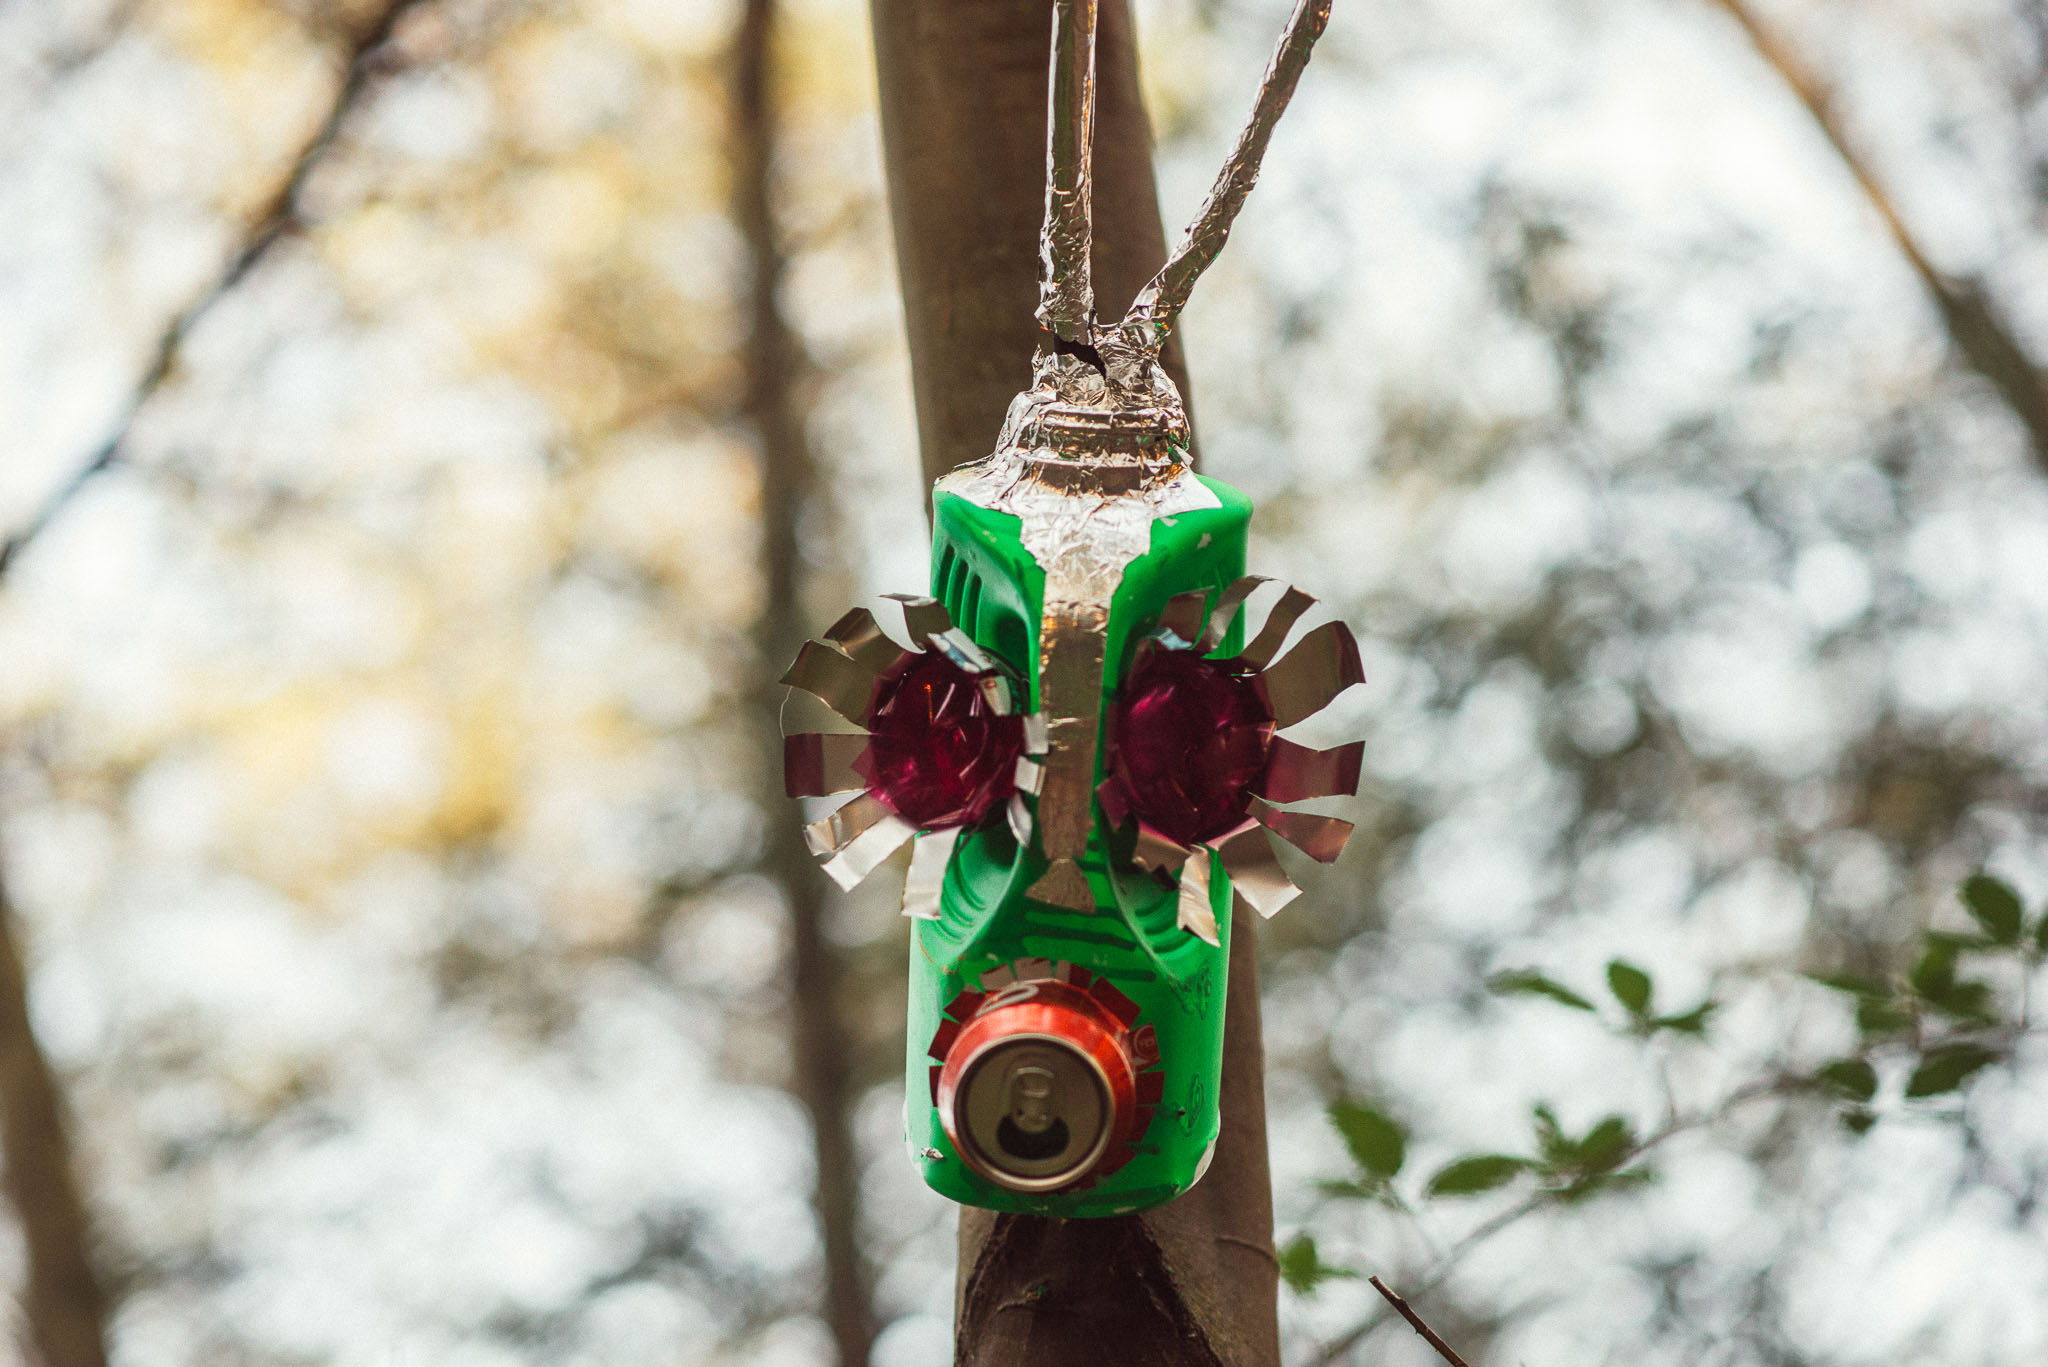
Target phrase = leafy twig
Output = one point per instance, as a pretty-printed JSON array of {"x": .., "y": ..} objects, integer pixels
[
  {"x": 1782, "y": 1084},
  {"x": 1416, "y": 1322},
  {"x": 279, "y": 214}
]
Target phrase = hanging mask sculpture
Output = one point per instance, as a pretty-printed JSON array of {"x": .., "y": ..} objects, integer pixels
[{"x": 1078, "y": 731}]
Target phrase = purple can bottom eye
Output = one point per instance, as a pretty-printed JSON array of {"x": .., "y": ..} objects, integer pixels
[
  {"x": 939, "y": 754},
  {"x": 1189, "y": 737}
]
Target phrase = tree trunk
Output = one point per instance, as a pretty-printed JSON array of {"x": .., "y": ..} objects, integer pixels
[
  {"x": 61, "y": 1303},
  {"x": 821, "y": 1060},
  {"x": 963, "y": 92}
]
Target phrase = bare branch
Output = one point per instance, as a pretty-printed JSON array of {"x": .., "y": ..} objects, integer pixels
[
  {"x": 1980, "y": 335},
  {"x": 278, "y": 216},
  {"x": 1415, "y": 1321}
]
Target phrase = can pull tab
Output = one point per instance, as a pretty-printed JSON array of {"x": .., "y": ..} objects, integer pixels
[
  {"x": 1032, "y": 1108},
  {"x": 1032, "y": 1129}
]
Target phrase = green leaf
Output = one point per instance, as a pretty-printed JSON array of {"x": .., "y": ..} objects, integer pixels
[
  {"x": 1377, "y": 1144},
  {"x": 1596, "y": 1183},
  {"x": 1935, "y": 973},
  {"x": 1605, "y": 1146},
  {"x": 1527, "y": 982},
  {"x": 1858, "y": 1121},
  {"x": 1852, "y": 1077},
  {"x": 1372, "y": 1189},
  {"x": 1693, "y": 1022},
  {"x": 2041, "y": 935},
  {"x": 1883, "y": 1016},
  {"x": 1995, "y": 906},
  {"x": 1969, "y": 1001},
  {"x": 1303, "y": 1269},
  {"x": 1853, "y": 983},
  {"x": 1947, "y": 1068},
  {"x": 1477, "y": 1173},
  {"x": 1630, "y": 986}
]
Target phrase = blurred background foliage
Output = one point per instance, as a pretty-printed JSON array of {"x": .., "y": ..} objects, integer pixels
[{"x": 386, "y": 823}]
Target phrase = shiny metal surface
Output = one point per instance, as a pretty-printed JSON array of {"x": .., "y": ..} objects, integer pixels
[
  {"x": 1035, "y": 1113},
  {"x": 1066, "y": 291},
  {"x": 1038, "y": 1087}
]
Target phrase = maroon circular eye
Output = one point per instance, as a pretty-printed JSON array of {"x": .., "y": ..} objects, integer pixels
[
  {"x": 938, "y": 753},
  {"x": 1190, "y": 738}
]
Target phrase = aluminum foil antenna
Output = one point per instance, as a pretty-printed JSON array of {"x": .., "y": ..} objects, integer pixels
[{"x": 1114, "y": 371}]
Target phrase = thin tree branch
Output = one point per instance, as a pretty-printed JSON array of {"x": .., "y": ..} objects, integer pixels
[
  {"x": 62, "y": 1304},
  {"x": 68, "y": 60},
  {"x": 774, "y": 367},
  {"x": 1981, "y": 337},
  {"x": 1783, "y": 1084},
  {"x": 366, "y": 59},
  {"x": 1415, "y": 1321}
]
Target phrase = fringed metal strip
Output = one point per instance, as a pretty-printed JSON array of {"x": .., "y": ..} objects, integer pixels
[
  {"x": 1260, "y": 651},
  {"x": 923, "y": 616},
  {"x": 834, "y": 678},
  {"x": 929, "y": 855},
  {"x": 864, "y": 852},
  {"x": 1304, "y": 681},
  {"x": 1181, "y": 621},
  {"x": 1321, "y": 838},
  {"x": 1196, "y": 914},
  {"x": 861, "y": 638},
  {"x": 1228, "y": 604},
  {"x": 1156, "y": 853},
  {"x": 1295, "y": 773},
  {"x": 820, "y": 763},
  {"x": 1255, "y": 873},
  {"x": 840, "y": 827}
]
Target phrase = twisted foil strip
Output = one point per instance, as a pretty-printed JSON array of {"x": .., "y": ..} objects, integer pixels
[
  {"x": 1066, "y": 306},
  {"x": 1158, "y": 305},
  {"x": 1066, "y": 290}
]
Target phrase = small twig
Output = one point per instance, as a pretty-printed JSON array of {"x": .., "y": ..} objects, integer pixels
[
  {"x": 1415, "y": 1322},
  {"x": 279, "y": 214}
]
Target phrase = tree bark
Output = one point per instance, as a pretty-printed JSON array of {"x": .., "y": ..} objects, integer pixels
[
  {"x": 62, "y": 1304},
  {"x": 963, "y": 91},
  {"x": 774, "y": 364}
]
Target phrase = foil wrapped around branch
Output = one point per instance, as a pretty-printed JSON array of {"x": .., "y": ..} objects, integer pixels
[
  {"x": 1153, "y": 313},
  {"x": 1066, "y": 294}
]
